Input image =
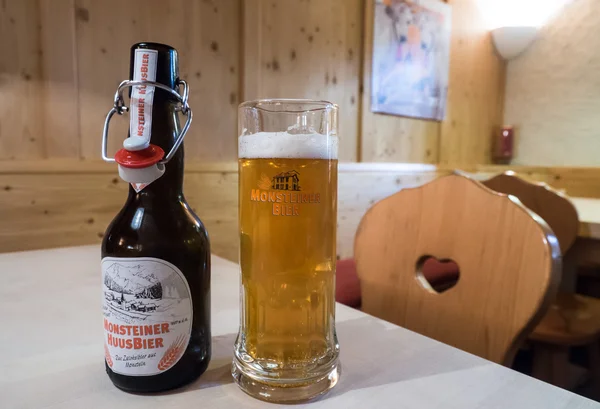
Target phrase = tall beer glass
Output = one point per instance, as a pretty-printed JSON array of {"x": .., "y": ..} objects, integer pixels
[{"x": 287, "y": 349}]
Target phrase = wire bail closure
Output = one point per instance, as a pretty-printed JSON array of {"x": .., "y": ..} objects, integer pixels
[{"x": 120, "y": 108}]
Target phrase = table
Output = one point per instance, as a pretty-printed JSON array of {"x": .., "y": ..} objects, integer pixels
[
  {"x": 52, "y": 353},
  {"x": 589, "y": 216}
]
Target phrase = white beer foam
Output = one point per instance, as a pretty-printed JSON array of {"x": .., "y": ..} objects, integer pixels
[{"x": 264, "y": 145}]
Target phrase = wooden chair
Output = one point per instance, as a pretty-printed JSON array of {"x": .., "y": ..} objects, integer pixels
[
  {"x": 573, "y": 320},
  {"x": 551, "y": 205},
  {"x": 508, "y": 258}
]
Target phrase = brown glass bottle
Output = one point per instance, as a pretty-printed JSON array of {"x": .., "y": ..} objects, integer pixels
[{"x": 155, "y": 253}]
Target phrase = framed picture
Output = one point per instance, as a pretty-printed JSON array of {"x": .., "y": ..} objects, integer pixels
[{"x": 411, "y": 52}]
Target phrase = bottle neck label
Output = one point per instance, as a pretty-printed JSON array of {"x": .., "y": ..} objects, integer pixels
[
  {"x": 142, "y": 96},
  {"x": 140, "y": 123},
  {"x": 147, "y": 308}
]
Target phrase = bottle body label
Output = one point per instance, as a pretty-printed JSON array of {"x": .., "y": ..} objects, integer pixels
[{"x": 147, "y": 308}]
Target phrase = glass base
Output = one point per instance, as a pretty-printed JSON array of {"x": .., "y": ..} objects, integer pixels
[{"x": 284, "y": 390}]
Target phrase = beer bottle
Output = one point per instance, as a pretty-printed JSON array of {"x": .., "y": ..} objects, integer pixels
[{"x": 156, "y": 252}]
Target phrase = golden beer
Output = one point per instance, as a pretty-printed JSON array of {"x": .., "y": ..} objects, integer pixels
[
  {"x": 288, "y": 218},
  {"x": 288, "y": 258}
]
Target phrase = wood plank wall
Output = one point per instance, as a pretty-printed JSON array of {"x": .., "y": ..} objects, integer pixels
[
  {"x": 307, "y": 49},
  {"x": 62, "y": 61},
  {"x": 57, "y": 203}
]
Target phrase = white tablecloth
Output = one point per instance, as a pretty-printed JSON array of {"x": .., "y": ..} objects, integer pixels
[{"x": 53, "y": 357}]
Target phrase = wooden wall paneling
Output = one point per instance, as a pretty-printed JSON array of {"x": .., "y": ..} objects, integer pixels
[
  {"x": 60, "y": 202},
  {"x": 206, "y": 36},
  {"x": 65, "y": 210},
  {"x": 214, "y": 197},
  {"x": 250, "y": 49},
  {"x": 211, "y": 65},
  {"x": 104, "y": 32},
  {"x": 389, "y": 138},
  {"x": 575, "y": 182},
  {"x": 53, "y": 208},
  {"x": 476, "y": 89},
  {"x": 21, "y": 90},
  {"x": 306, "y": 49},
  {"x": 59, "y": 75}
]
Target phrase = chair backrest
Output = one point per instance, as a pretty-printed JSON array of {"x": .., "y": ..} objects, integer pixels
[
  {"x": 508, "y": 258},
  {"x": 551, "y": 205}
]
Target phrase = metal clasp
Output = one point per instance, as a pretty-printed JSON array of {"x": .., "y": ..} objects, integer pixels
[{"x": 120, "y": 108}]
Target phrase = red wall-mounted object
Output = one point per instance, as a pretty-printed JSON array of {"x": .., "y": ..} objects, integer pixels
[{"x": 503, "y": 145}]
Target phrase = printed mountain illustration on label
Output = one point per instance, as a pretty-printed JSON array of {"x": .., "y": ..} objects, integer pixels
[
  {"x": 135, "y": 280},
  {"x": 147, "y": 310}
]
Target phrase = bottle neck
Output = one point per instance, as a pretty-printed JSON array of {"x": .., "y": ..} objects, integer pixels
[
  {"x": 165, "y": 130},
  {"x": 157, "y": 62}
]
